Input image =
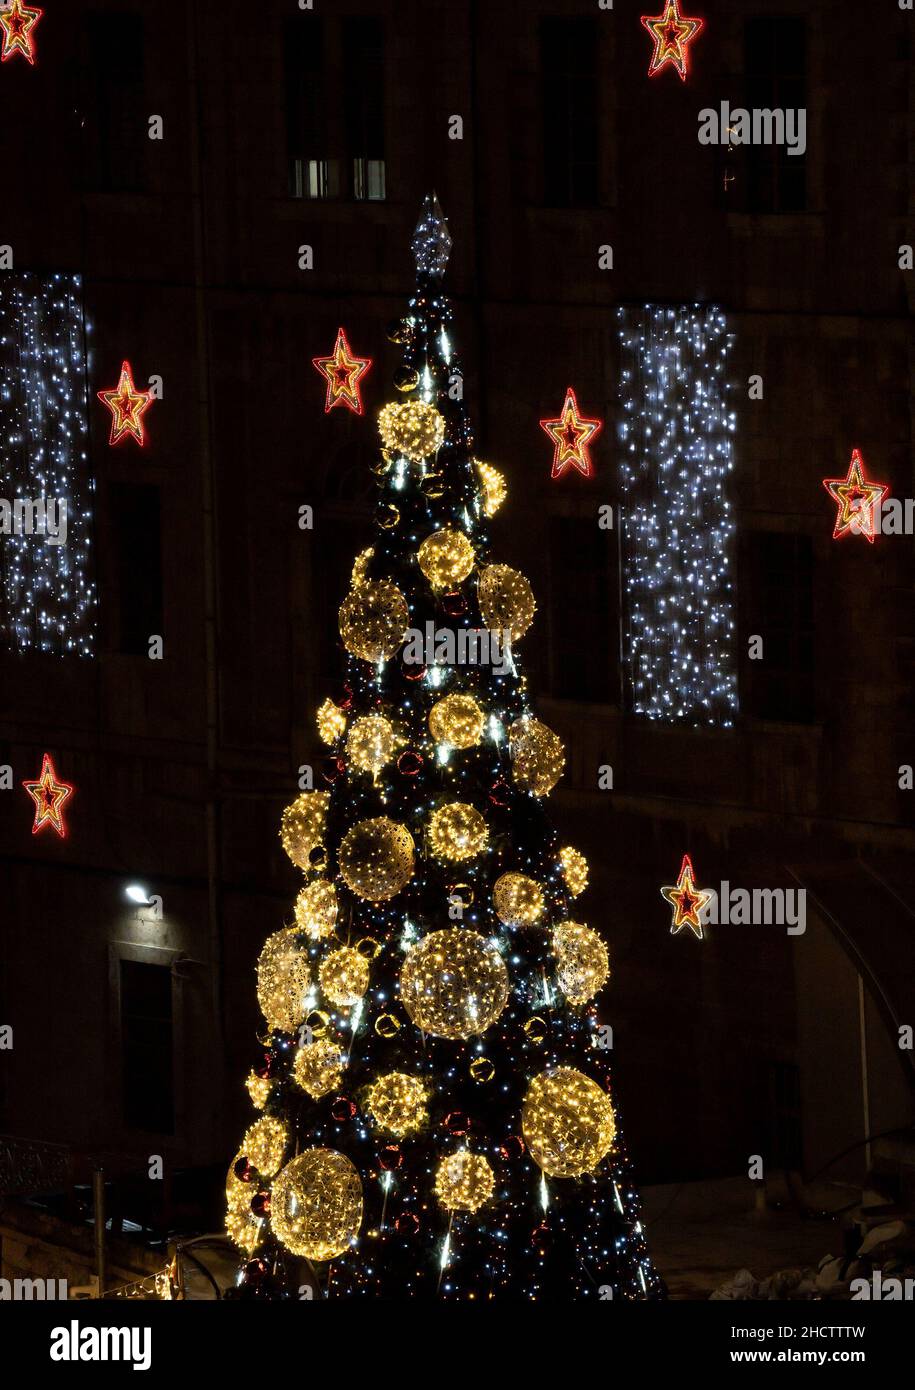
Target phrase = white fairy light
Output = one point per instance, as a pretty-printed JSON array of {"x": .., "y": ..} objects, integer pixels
[
  {"x": 677, "y": 525},
  {"x": 48, "y": 592}
]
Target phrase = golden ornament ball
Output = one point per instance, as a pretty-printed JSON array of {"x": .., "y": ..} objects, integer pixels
[
  {"x": 371, "y": 743},
  {"x": 331, "y": 722},
  {"x": 537, "y": 755},
  {"x": 264, "y": 1145},
  {"x": 582, "y": 962},
  {"x": 316, "y": 909},
  {"x": 411, "y": 428},
  {"x": 360, "y": 566},
  {"x": 536, "y": 1030},
  {"x": 258, "y": 1088},
  {"x": 283, "y": 981},
  {"x": 318, "y": 1067},
  {"x": 574, "y": 870},
  {"x": 302, "y": 826},
  {"x": 373, "y": 620},
  {"x": 387, "y": 1025},
  {"x": 242, "y": 1227},
  {"x": 458, "y": 720},
  {"x": 316, "y": 1023},
  {"x": 482, "y": 1070},
  {"x": 493, "y": 487},
  {"x": 518, "y": 900},
  {"x": 397, "y": 1103},
  {"x": 506, "y": 600},
  {"x": 344, "y": 976},
  {"x": 376, "y": 858},
  {"x": 316, "y": 1204},
  {"x": 454, "y": 983},
  {"x": 457, "y": 831},
  {"x": 446, "y": 558},
  {"x": 568, "y": 1122},
  {"x": 464, "y": 1181}
]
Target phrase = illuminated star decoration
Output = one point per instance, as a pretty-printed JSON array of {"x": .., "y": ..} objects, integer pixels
[
  {"x": 344, "y": 373},
  {"x": 17, "y": 22},
  {"x": 49, "y": 796},
  {"x": 671, "y": 32},
  {"x": 686, "y": 899},
  {"x": 856, "y": 499},
  {"x": 127, "y": 405},
  {"x": 572, "y": 434}
]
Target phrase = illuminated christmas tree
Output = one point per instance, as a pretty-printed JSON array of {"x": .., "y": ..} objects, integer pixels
[{"x": 437, "y": 1115}]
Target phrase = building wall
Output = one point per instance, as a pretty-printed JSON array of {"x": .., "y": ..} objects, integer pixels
[{"x": 183, "y": 766}]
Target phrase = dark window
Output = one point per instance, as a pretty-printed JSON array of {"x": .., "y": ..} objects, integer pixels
[
  {"x": 363, "y": 45},
  {"x": 569, "y": 106},
  {"x": 775, "y": 79},
  {"x": 147, "y": 1047},
  {"x": 335, "y": 117},
  {"x": 584, "y": 647},
  {"x": 777, "y": 588},
  {"x": 136, "y": 544},
  {"x": 116, "y": 116}
]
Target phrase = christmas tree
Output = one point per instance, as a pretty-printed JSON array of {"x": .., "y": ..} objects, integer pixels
[{"x": 437, "y": 1114}]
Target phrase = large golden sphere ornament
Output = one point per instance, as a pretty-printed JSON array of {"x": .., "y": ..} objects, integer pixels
[
  {"x": 568, "y": 1122},
  {"x": 506, "y": 600},
  {"x": 464, "y": 1181},
  {"x": 446, "y": 558},
  {"x": 371, "y": 743},
  {"x": 411, "y": 428},
  {"x": 537, "y": 755},
  {"x": 331, "y": 722},
  {"x": 316, "y": 1204},
  {"x": 318, "y": 1067},
  {"x": 518, "y": 900},
  {"x": 316, "y": 909},
  {"x": 344, "y": 976},
  {"x": 283, "y": 981},
  {"x": 454, "y": 984},
  {"x": 457, "y": 831},
  {"x": 397, "y": 1103},
  {"x": 264, "y": 1145},
  {"x": 373, "y": 620},
  {"x": 582, "y": 962},
  {"x": 574, "y": 870},
  {"x": 376, "y": 858},
  {"x": 493, "y": 486},
  {"x": 302, "y": 826},
  {"x": 242, "y": 1226},
  {"x": 458, "y": 720}
]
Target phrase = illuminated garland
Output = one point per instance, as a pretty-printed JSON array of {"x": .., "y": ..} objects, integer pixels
[
  {"x": 672, "y": 34},
  {"x": 48, "y": 595},
  {"x": 677, "y": 527}
]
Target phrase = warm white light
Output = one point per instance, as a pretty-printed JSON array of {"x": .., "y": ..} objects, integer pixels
[{"x": 137, "y": 894}]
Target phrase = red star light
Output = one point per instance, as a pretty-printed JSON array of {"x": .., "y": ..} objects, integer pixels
[
  {"x": 344, "y": 373},
  {"x": 17, "y": 22},
  {"x": 49, "y": 796},
  {"x": 571, "y": 433},
  {"x": 686, "y": 899},
  {"x": 857, "y": 500},
  {"x": 127, "y": 405},
  {"x": 671, "y": 32}
]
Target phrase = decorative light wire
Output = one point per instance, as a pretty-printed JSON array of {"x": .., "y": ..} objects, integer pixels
[
  {"x": 47, "y": 591},
  {"x": 677, "y": 527}
]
